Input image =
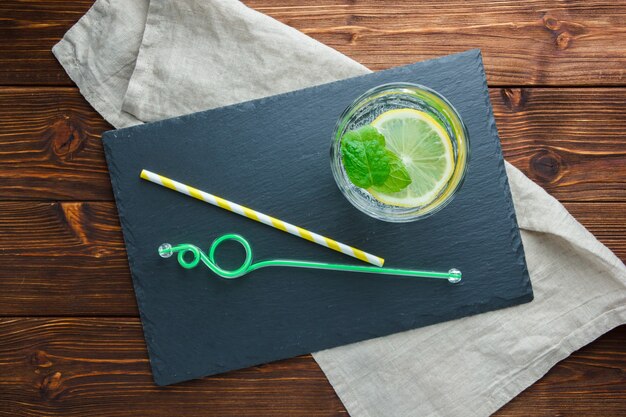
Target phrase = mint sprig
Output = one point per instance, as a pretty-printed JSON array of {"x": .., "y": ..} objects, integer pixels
[
  {"x": 369, "y": 164},
  {"x": 365, "y": 157},
  {"x": 398, "y": 178}
]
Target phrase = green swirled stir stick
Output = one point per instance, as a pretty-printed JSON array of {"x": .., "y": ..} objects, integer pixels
[{"x": 166, "y": 250}]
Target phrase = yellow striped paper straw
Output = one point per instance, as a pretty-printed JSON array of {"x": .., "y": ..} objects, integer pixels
[{"x": 262, "y": 218}]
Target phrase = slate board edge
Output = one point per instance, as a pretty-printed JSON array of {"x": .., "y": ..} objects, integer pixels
[
  {"x": 516, "y": 236},
  {"x": 156, "y": 363},
  {"x": 161, "y": 373},
  {"x": 110, "y": 134},
  {"x": 162, "y": 378}
]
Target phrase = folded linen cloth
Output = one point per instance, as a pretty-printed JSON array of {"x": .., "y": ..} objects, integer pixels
[{"x": 145, "y": 60}]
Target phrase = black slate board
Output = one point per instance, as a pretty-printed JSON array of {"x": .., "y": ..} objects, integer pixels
[{"x": 272, "y": 155}]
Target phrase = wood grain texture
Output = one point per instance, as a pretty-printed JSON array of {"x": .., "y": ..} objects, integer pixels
[
  {"x": 67, "y": 259},
  {"x": 537, "y": 42},
  {"x": 50, "y": 146},
  {"x": 570, "y": 141},
  {"x": 523, "y": 43},
  {"x": 88, "y": 367},
  {"x": 62, "y": 258},
  {"x": 28, "y": 31},
  {"x": 98, "y": 366}
]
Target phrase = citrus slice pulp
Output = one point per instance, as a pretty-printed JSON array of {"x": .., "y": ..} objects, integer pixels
[{"x": 425, "y": 149}]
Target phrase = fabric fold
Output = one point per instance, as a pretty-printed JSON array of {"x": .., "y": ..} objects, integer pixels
[
  {"x": 99, "y": 54},
  {"x": 474, "y": 365},
  {"x": 147, "y": 60},
  {"x": 209, "y": 50}
]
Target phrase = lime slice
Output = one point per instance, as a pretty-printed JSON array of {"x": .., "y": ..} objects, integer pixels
[{"x": 425, "y": 149}]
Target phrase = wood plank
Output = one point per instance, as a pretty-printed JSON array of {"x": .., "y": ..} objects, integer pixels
[
  {"x": 537, "y": 42},
  {"x": 63, "y": 259},
  {"x": 606, "y": 221},
  {"x": 523, "y": 43},
  {"x": 98, "y": 366},
  {"x": 50, "y": 146},
  {"x": 571, "y": 141},
  {"x": 69, "y": 258},
  {"x": 88, "y": 366},
  {"x": 28, "y": 31}
]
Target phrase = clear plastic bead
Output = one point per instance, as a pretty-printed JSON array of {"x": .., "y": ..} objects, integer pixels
[
  {"x": 165, "y": 250},
  {"x": 455, "y": 276}
]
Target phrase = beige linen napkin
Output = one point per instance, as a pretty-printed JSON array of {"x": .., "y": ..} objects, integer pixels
[{"x": 145, "y": 60}]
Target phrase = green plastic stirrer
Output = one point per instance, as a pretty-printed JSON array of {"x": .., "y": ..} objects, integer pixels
[{"x": 166, "y": 250}]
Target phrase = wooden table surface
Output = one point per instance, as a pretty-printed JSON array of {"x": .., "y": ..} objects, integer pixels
[{"x": 70, "y": 337}]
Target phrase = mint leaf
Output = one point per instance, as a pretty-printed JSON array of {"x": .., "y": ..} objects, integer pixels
[
  {"x": 398, "y": 178},
  {"x": 364, "y": 157}
]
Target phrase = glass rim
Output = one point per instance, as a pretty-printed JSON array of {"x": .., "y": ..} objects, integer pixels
[{"x": 453, "y": 124}]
